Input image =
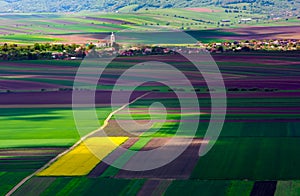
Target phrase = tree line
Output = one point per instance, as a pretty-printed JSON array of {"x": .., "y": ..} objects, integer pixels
[{"x": 39, "y": 51}]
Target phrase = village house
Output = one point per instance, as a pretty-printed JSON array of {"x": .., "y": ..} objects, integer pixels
[{"x": 225, "y": 20}]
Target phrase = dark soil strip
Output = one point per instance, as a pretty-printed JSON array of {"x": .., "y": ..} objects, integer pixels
[
  {"x": 264, "y": 188},
  {"x": 180, "y": 168},
  {"x": 149, "y": 188},
  {"x": 58, "y": 97},
  {"x": 35, "y": 186},
  {"x": 102, "y": 166},
  {"x": 25, "y": 152}
]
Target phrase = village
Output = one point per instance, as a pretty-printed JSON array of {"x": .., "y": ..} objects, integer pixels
[{"x": 110, "y": 47}]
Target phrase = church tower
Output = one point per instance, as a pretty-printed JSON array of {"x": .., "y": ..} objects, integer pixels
[{"x": 112, "y": 39}]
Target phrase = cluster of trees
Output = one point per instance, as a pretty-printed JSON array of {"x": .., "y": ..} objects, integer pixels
[
  {"x": 144, "y": 50},
  {"x": 38, "y": 51},
  {"x": 251, "y": 45},
  {"x": 255, "y": 89},
  {"x": 277, "y": 8},
  {"x": 187, "y": 26}
]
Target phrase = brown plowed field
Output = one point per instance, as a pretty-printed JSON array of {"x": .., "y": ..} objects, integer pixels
[{"x": 261, "y": 32}]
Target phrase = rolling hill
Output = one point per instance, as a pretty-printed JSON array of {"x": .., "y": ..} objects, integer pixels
[{"x": 273, "y": 7}]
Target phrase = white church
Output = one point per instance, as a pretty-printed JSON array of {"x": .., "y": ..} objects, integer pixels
[{"x": 107, "y": 42}]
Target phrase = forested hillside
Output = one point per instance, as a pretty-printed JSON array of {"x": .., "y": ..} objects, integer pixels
[{"x": 272, "y": 7}]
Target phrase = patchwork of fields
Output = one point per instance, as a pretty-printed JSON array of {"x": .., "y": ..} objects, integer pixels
[
  {"x": 257, "y": 152},
  {"x": 83, "y": 28}
]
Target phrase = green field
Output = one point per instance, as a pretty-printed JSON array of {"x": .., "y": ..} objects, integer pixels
[
  {"x": 198, "y": 188},
  {"x": 27, "y": 39},
  {"x": 250, "y": 158},
  {"x": 10, "y": 179},
  {"x": 41, "y": 127}
]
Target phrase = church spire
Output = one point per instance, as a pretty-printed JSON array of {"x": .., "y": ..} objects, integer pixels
[{"x": 112, "y": 38}]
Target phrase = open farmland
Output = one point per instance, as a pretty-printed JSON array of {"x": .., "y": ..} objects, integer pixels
[
  {"x": 256, "y": 152},
  {"x": 89, "y": 27}
]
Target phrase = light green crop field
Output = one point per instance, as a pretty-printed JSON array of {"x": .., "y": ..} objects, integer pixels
[
  {"x": 27, "y": 38},
  {"x": 41, "y": 127}
]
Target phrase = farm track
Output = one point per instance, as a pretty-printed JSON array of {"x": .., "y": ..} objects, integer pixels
[{"x": 12, "y": 191}]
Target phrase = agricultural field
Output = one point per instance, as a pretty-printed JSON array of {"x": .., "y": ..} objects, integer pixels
[
  {"x": 76, "y": 124},
  {"x": 89, "y": 27},
  {"x": 256, "y": 153}
]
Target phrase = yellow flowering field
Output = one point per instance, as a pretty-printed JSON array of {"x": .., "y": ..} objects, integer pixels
[{"x": 80, "y": 161}]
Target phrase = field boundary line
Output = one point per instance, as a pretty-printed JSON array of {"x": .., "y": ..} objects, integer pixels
[{"x": 105, "y": 123}]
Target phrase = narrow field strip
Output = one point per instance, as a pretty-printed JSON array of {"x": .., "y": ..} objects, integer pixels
[
  {"x": 36, "y": 186},
  {"x": 80, "y": 161}
]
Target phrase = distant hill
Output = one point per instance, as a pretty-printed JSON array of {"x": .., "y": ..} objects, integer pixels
[{"x": 271, "y": 7}]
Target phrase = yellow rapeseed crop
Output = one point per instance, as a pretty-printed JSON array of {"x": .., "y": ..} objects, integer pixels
[{"x": 82, "y": 159}]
